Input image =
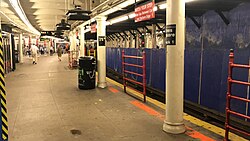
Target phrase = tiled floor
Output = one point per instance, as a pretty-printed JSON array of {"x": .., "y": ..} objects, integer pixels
[{"x": 45, "y": 104}]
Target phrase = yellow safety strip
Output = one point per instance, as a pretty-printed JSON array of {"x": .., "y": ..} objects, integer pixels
[{"x": 196, "y": 121}]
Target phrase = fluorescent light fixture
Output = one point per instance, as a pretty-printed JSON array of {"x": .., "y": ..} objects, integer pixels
[
  {"x": 108, "y": 23},
  {"x": 87, "y": 30},
  {"x": 120, "y": 19},
  {"x": 131, "y": 16},
  {"x": 52, "y": 37},
  {"x": 17, "y": 6},
  {"x": 163, "y": 6},
  {"x": 119, "y": 6},
  {"x": 189, "y": 0},
  {"x": 155, "y": 8}
]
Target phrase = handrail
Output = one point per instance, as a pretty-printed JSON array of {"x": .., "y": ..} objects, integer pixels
[{"x": 230, "y": 96}]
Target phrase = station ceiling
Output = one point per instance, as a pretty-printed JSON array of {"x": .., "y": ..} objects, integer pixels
[{"x": 45, "y": 14}]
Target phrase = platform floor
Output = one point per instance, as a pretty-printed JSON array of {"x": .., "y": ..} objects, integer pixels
[{"x": 44, "y": 104}]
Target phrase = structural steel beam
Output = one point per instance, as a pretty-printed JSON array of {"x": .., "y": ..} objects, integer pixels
[
  {"x": 223, "y": 17},
  {"x": 195, "y": 22}
]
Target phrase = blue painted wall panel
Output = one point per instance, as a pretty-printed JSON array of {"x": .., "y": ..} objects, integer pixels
[
  {"x": 211, "y": 78},
  {"x": 192, "y": 74}
]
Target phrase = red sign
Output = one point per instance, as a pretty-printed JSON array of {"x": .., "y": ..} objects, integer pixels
[
  {"x": 93, "y": 28},
  {"x": 145, "y": 12}
]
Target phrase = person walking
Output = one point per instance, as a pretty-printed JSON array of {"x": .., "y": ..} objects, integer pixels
[
  {"x": 34, "y": 50},
  {"x": 59, "y": 52}
]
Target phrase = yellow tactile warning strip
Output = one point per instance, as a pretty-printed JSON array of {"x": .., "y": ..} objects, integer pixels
[
  {"x": 3, "y": 95},
  {"x": 187, "y": 117}
]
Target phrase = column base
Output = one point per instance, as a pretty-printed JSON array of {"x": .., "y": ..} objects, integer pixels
[
  {"x": 102, "y": 84},
  {"x": 174, "y": 128}
]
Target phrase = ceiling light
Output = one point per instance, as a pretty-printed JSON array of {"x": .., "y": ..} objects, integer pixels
[
  {"x": 163, "y": 6},
  {"x": 17, "y": 6},
  {"x": 107, "y": 23},
  {"x": 131, "y": 16},
  {"x": 119, "y": 7},
  {"x": 155, "y": 8},
  {"x": 189, "y": 0},
  {"x": 119, "y": 19}
]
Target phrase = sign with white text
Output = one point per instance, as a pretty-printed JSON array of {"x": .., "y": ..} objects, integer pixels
[
  {"x": 101, "y": 40},
  {"x": 145, "y": 12},
  {"x": 171, "y": 34}
]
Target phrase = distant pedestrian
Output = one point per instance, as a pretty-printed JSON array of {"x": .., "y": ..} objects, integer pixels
[
  {"x": 51, "y": 51},
  {"x": 59, "y": 52},
  {"x": 34, "y": 50}
]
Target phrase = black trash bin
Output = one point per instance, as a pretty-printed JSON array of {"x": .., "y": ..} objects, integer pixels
[
  {"x": 86, "y": 73},
  {"x": 16, "y": 56}
]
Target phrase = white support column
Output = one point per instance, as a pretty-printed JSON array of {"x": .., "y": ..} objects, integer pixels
[
  {"x": 101, "y": 51},
  {"x": 11, "y": 57},
  {"x": 173, "y": 122},
  {"x": 82, "y": 46},
  {"x": 21, "y": 47},
  {"x": 137, "y": 39},
  {"x": 131, "y": 41}
]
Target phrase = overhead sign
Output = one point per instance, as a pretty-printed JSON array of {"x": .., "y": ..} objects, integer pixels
[
  {"x": 93, "y": 28},
  {"x": 145, "y": 12},
  {"x": 171, "y": 34}
]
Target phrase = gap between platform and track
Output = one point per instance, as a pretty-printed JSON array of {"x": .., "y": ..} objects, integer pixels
[{"x": 196, "y": 121}]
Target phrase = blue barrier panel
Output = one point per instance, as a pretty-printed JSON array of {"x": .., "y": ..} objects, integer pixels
[
  {"x": 211, "y": 78},
  {"x": 192, "y": 74},
  {"x": 158, "y": 69},
  {"x": 223, "y": 82}
]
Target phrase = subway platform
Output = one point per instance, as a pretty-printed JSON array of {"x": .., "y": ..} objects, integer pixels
[{"x": 45, "y": 104}]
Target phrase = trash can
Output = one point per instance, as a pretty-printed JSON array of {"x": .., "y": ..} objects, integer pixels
[
  {"x": 16, "y": 56},
  {"x": 86, "y": 73}
]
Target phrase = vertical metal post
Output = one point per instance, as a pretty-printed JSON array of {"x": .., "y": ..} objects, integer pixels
[
  {"x": 11, "y": 58},
  {"x": 123, "y": 73},
  {"x": 229, "y": 84},
  {"x": 21, "y": 47},
  {"x": 144, "y": 75},
  {"x": 173, "y": 122}
]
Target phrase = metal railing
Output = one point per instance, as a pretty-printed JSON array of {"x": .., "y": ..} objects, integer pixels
[
  {"x": 143, "y": 75},
  {"x": 73, "y": 58},
  {"x": 231, "y": 96}
]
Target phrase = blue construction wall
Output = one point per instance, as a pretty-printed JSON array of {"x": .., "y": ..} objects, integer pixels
[{"x": 206, "y": 59}]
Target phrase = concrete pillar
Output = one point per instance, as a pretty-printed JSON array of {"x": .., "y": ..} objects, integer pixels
[
  {"x": 82, "y": 46},
  {"x": 11, "y": 57},
  {"x": 153, "y": 36},
  {"x": 131, "y": 40},
  {"x": 21, "y": 47},
  {"x": 137, "y": 40},
  {"x": 173, "y": 122},
  {"x": 72, "y": 41},
  {"x": 101, "y": 51}
]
